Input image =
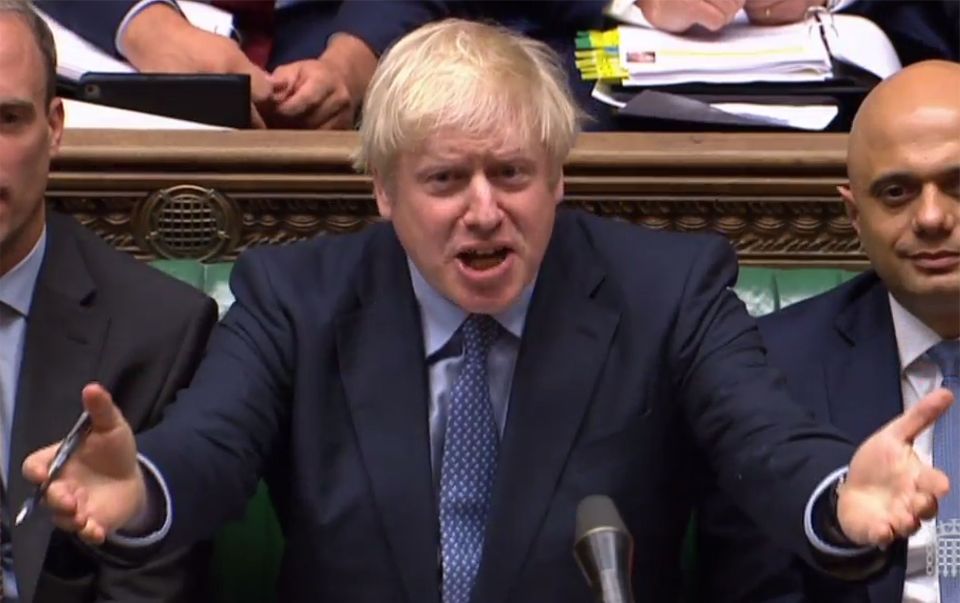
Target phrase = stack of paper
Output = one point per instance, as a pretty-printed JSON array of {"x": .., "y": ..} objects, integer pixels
[{"x": 641, "y": 56}]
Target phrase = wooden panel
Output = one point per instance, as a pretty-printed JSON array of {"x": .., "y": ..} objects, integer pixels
[{"x": 212, "y": 194}]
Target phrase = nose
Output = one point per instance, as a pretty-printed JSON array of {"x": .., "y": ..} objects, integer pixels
[
  {"x": 937, "y": 213},
  {"x": 483, "y": 210}
]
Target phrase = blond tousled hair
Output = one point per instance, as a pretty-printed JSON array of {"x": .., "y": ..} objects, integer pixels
[{"x": 472, "y": 78}]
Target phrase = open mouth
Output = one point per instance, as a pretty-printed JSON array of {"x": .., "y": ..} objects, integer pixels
[{"x": 487, "y": 259}]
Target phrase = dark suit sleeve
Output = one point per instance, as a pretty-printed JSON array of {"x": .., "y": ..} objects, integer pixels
[
  {"x": 233, "y": 414},
  {"x": 96, "y": 21},
  {"x": 178, "y": 576},
  {"x": 767, "y": 453},
  {"x": 737, "y": 562},
  {"x": 380, "y": 23}
]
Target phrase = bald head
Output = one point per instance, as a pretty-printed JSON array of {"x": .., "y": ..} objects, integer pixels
[
  {"x": 904, "y": 193},
  {"x": 902, "y": 108}
]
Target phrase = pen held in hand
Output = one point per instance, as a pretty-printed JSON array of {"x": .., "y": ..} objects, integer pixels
[{"x": 66, "y": 450}]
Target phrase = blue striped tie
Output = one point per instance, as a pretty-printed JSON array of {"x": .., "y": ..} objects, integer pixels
[
  {"x": 469, "y": 464},
  {"x": 946, "y": 457}
]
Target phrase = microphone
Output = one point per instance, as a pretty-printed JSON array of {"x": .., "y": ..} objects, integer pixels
[{"x": 604, "y": 550}]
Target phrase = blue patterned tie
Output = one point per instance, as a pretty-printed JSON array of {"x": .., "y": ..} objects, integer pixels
[
  {"x": 469, "y": 463},
  {"x": 946, "y": 457}
]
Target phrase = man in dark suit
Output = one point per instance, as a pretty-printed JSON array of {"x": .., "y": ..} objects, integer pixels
[
  {"x": 73, "y": 310},
  {"x": 429, "y": 399},
  {"x": 857, "y": 356}
]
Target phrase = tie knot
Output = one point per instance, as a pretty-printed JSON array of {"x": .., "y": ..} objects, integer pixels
[
  {"x": 947, "y": 356},
  {"x": 479, "y": 331}
]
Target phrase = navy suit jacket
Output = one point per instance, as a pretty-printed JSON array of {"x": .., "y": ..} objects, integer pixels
[
  {"x": 636, "y": 363},
  {"x": 99, "y": 315},
  {"x": 839, "y": 353}
]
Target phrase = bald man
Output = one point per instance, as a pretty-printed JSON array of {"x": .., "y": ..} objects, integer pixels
[{"x": 858, "y": 356}]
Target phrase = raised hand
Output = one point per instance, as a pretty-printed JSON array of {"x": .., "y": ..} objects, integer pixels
[
  {"x": 889, "y": 490},
  {"x": 101, "y": 488},
  {"x": 680, "y": 15}
]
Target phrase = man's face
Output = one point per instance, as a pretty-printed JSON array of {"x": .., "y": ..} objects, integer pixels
[
  {"x": 29, "y": 134},
  {"x": 475, "y": 215},
  {"x": 905, "y": 204}
]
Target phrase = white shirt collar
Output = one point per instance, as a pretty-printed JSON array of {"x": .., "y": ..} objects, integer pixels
[
  {"x": 442, "y": 318},
  {"x": 914, "y": 337},
  {"x": 17, "y": 285}
]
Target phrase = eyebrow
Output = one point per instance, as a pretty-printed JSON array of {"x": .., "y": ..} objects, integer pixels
[{"x": 15, "y": 103}]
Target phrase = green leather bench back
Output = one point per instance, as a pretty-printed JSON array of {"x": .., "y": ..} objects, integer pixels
[{"x": 247, "y": 553}]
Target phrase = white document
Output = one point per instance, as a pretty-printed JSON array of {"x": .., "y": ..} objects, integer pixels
[
  {"x": 78, "y": 114},
  {"x": 738, "y": 53},
  {"x": 859, "y": 41},
  {"x": 803, "y": 117}
]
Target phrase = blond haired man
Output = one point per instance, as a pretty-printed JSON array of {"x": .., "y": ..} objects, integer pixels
[{"x": 429, "y": 399}]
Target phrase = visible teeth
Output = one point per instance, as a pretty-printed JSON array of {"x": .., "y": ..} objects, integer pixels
[{"x": 483, "y": 254}]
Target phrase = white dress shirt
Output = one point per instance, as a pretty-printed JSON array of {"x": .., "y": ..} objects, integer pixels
[{"x": 918, "y": 376}]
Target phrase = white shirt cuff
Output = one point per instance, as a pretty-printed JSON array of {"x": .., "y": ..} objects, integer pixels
[
  {"x": 150, "y": 514},
  {"x": 133, "y": 12},
  {"x": 815, "y": 540}
]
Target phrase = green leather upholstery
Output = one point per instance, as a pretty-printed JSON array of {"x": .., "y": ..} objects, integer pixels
[{"x": 247, "y": 553}]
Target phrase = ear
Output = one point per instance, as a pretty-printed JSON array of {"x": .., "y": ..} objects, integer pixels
[
  {"x": 850, "y": 204},
  {"x": 381, "y": 191},
  {"x": 55, "y": 119}
]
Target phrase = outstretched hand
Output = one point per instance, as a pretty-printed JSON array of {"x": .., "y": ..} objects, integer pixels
[
  {"x": 101, "y": 488},
  {"x": 889, "y": 490}
]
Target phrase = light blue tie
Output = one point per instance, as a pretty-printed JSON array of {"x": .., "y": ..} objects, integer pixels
[
  {"x": 469, "y": 465},
  {"x": 946, "y": 457}
]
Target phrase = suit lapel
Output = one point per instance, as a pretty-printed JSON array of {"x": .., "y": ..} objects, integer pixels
[
  {"x": 384, "y": 372},
  {"x": 860, "y": 406},
  {"x": 565, "y": 343},
  {"x": 62, "y": 345}
]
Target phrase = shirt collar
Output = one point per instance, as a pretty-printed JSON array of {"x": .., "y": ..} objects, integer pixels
[
  {"x": 914, "y": 337},
  {"x": 17, "y": 285},
  {"x": 442, "y": 317}
]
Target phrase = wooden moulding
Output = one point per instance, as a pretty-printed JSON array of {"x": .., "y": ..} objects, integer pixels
[{"x": 209, "y": 195}]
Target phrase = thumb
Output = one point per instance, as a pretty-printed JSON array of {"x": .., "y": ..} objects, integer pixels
[
  {"x": 104, "y": 415},
  {"x": 925, "y": 413}
]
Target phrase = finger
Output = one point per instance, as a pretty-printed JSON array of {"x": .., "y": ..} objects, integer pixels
[
  {"x": 35, "y": 467},
  {"x": 933, "y": 481},
  {"x": 92, "y": 532},
  {"x": 728, "y": 8},
  {"x": 905, "y": 524},
  {"x": 61, "y": 499},
  {"x": 922, "y": 415},
  {"x": 708, "y": 16},
  {"x": 881, "y": 536},
  {"x": 104, "y": 415},
  {"x": 924, "y": 505},
  {"x": 310, "y": 96},
  {"x": 283, "y": 81}
]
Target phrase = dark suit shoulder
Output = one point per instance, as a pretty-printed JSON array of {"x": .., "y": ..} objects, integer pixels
[
  {"x": 121, "y": 281},
  {"x": 646, "y": 252},
  {"x": 809, "y": 322}
]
